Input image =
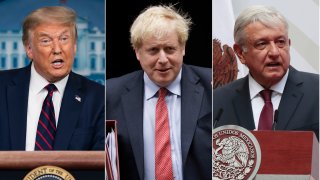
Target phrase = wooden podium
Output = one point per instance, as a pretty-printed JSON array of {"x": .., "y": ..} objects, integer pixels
[
  {"x": 288, "y": 155},
  {"x": 80, "y": 164}
]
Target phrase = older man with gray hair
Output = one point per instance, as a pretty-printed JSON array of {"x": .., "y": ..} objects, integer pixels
[{"x": 272, "y": 85}]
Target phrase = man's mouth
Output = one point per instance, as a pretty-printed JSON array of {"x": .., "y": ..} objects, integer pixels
[
  {"x": 273, "y": 64},
  {"x": 163, "y": 70},
  {"x": 58, "y": 63}
]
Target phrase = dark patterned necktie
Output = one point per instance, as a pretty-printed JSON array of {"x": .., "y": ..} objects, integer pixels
[
  {"x": 46, "y": 130},
  {"x": 266, "y": 116}
]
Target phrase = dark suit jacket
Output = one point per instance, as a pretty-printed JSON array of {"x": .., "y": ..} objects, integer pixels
[
  {"x": 80, "y": 125},
  {"x": 298, "y": 108},
  {"x": 124, "y": 97}
]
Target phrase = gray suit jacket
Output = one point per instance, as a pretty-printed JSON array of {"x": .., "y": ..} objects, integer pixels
[
  {"x": 124, "y": 103},
  {"x": 298, "y": 108}
]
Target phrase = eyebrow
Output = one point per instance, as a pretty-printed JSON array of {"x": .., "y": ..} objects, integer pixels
[
  {"x": 267, "y": 39},
  {"x": 46, "y": 34}
]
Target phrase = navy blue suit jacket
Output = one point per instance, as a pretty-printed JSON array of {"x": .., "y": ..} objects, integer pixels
[
  {"x": 298, "y": 108},
  {"x": 80, "y": 125},
  {"x": 124, "y": 103}
]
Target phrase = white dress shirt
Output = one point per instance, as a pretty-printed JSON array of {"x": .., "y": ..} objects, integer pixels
[
  {"x": 173, "y": 100},
  {"x": 37, "y": 94},
  {"x": 257, "y": 101}
]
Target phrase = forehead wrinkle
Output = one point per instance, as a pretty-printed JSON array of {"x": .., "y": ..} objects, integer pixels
[
  {"x": 259, "y": 30},
  {"x": 56, "y": 34}
]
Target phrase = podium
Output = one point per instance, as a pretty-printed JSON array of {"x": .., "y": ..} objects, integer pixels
[
  {"x": 288, "y": 155},
  {"x": 80, "y": 164}
]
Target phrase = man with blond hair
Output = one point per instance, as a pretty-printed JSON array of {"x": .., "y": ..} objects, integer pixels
[{"x": 164, "y": 110}]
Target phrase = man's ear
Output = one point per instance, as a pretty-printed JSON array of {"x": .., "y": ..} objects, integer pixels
[
  {"x": 183, "y": 50},
  {"x": 289, "y": 42},
  {"x": 137, "y": 53},
  {"x": 239, "y": 51},
  {"x": 28, "y": 51},
  {"x": 75, "y": 48}
]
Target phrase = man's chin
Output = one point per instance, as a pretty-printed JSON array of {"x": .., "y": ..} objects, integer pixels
[
  {"x": 56, "y": 77},
  {"x": 272, "y": 80},
  {"x": 276, "y": 75},
  {"x": 162, "y": 82}
]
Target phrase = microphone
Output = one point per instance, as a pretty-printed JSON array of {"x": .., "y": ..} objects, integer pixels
[
  {"x": 275, "y": 119},
  {"x": 217, "y": 118}
]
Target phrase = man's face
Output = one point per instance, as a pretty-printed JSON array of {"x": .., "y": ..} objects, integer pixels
[
  {"x": 52, "y": 48},
  {"x": 267, "y": 55},
  {"x": 161, "y": 58}
]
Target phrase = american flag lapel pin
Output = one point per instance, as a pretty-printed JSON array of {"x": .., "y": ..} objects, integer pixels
[{"x": 78, "y": 98}]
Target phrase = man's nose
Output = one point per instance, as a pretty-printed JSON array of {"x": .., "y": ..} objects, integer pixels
[
  {"x": 56, "y": 47},
  {"x": 162, "y": 57},
  {"x": 273, "y": 49}
]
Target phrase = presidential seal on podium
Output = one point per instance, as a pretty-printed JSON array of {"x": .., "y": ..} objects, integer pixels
[{"x": 48, "y": 173}]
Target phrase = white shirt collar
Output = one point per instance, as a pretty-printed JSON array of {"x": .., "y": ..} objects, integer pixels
[
  {"x": 255, "y": 87},
  {"x": 37, "y": 82},
  {"x": 150, "y": 88}
]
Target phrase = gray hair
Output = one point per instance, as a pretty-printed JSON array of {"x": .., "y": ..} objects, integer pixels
[
  {"x": 157, "y": 21},
  {"x": 268, "y": 16}
]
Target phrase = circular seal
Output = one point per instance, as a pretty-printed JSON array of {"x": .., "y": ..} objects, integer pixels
[
  {"x": 236, "y": 153},
  {"x": 48, "y": 173}
]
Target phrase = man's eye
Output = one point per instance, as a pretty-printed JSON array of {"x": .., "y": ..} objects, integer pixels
[
  {"x": 281, "y": 43},
  {"x": 260, "y": 45},
  {"x": 45, "y": 41},
  {"x": 170, "y": 50},
  {"x": 64, "y": 38},
  {"x": 153, "y": 50}
]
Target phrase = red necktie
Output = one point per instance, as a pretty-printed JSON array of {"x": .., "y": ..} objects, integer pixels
[
  {"x": 163, "y": 162},
  {"x": 46, "y": 130},
  {"x": 266, "y": 116}
]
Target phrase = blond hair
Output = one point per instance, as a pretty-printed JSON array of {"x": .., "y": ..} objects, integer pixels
[
  {"x": 51, "y": 14},
  {"x": 158, "y": 21}
]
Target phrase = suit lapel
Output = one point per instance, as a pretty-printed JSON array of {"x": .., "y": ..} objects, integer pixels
[
  {"x": 132, "y": 103},
  {"x": 191, "y": 98},
  {"x": 69, "y": 112},
  {"x": 17, "y": 98},
  {"x": 242, "y": 105},
  {"x": 291, "y": 98}
]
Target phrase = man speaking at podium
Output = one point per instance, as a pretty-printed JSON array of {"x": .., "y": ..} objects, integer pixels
[
  {"x": 45, "y": 106},
  {"x": 274, "y": 95},
  {"x": 163, "y": 112}
]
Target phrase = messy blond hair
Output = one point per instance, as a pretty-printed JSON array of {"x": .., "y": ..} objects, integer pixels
[{"x": 157, "y": 21}]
